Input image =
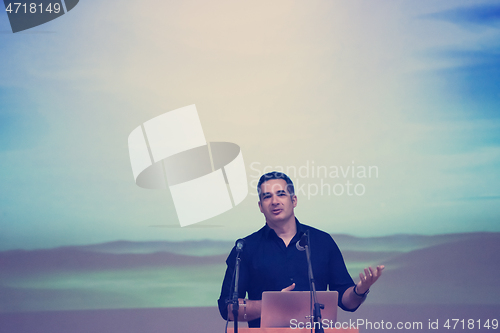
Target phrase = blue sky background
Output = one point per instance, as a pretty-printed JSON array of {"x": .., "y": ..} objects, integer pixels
[{"x": 412, "y": 88}]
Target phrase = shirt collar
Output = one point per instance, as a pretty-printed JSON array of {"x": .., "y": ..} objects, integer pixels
[{"x": 299, "y": 227}]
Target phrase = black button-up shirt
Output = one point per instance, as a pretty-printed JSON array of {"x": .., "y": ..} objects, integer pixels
[{"x": 268, "y": 265}]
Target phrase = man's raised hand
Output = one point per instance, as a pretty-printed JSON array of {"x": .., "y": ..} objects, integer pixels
[
  {"x": 368, "y": 279},
  {"x": 290, "y": 287}
]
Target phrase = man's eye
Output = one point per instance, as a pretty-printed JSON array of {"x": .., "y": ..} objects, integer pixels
[{"x": 267, "y": 196}]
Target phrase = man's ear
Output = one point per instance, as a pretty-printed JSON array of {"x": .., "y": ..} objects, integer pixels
[
  {"x": 260, "y": 207},
  {"x": 294, "y": 200}
]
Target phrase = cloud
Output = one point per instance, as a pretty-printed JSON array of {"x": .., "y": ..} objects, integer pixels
[
  {"x": 472, "y": 84},
  {"x": 480, "y": 15},
  {"x": 481, "y": 198}
]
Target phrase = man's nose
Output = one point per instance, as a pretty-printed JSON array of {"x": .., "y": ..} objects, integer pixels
[{"x": 274, "y": 200}]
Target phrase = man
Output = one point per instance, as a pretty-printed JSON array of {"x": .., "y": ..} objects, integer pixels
[{"x": 271, "y": 262}]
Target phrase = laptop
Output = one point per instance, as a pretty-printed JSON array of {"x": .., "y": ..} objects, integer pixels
[{"x": 289, "y": 308}]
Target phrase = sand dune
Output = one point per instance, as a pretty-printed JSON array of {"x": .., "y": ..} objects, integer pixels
[
  {"x": 445, "y": 269},
  {"x": 70, "y": 258}
]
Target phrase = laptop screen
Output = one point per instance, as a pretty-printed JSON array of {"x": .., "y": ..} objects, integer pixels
[{"x": 293, "y": 308}]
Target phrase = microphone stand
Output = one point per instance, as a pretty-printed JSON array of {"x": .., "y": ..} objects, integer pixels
[
  {"x": 312, "y": 288},
  {"x": 236, "y": 303}
]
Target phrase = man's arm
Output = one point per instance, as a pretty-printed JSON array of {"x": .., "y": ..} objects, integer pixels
[
  {"x": 249, "y": 309},
  {"x": 351, "y": 299}
]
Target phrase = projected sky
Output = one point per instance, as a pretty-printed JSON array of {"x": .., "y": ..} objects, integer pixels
[{"x": 385, "y": 114}]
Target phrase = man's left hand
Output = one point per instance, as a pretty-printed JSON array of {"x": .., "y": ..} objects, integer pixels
[{"x": 370, "y": 277}]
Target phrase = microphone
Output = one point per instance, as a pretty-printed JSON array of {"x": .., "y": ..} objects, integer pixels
[
  {"x": 302, "y": 242},
  {"x": 239, "y": 244}
]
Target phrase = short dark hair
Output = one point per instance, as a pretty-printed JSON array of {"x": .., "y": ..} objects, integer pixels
[{"x": 276, "y": 175}]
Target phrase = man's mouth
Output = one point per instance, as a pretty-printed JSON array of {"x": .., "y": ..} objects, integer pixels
[{"x": 277, "y": 211}]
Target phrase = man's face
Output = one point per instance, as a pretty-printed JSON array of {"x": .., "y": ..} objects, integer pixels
[{"x": 275, "y": 201}]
